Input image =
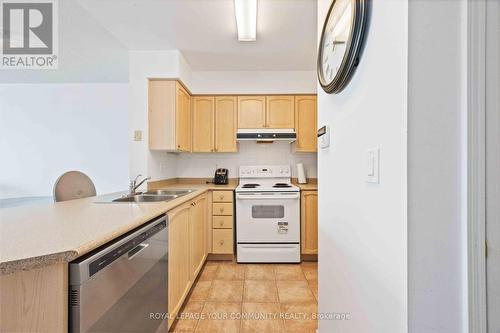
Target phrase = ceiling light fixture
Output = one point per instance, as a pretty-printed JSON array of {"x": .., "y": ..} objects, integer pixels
[{"x": 246, "y": 19}]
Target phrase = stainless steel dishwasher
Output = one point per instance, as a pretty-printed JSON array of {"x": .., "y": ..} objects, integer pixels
[{"x": 122, "y": 286}]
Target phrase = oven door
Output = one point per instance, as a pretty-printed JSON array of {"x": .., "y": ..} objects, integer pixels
[{"x": 268, "y": 217}]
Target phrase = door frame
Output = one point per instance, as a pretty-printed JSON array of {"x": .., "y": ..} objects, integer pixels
[{"x": 475, "y": 190}]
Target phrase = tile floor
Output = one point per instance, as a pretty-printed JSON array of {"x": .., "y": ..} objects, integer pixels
[{"x": 242, "y": 298}]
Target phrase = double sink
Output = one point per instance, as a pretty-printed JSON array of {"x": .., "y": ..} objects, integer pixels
[{"x": 153, "y": 196}]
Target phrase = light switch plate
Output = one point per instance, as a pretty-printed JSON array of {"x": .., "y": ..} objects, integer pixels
[
  {"x": 324, "y": 137},
  {"x": 373, "y": 166},
  {"x": 137, "y": 135}
]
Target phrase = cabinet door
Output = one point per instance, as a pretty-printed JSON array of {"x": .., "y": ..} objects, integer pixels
[
  {"x": 251, "y": 111},
  {"x": 309, "y": 222},
  {"x": 179, "y": 276},
  {"x": 183, "y": 119},
  {"x": 306, "y": 123},
  {"x": 161, "y": 114},
  {"x": 279, "y": 112},
  {"x": 197, "y": 232},
  {"x": 203, "y": 124},
  {"x": 226, "y": 124}
]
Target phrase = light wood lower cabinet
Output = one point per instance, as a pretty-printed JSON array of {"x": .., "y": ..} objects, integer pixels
[
  {"x": 187, "y": 250},
  {"x": 222, "y": 241},
  {"x": 223, "y": 208},
  {"x": 179, "y": 277},
  {"x": 197, "y": 235},
  {"x": 222, "y": 222},
  {"x": 35, "y": 300},
  {"x": 309, "y": 222}
]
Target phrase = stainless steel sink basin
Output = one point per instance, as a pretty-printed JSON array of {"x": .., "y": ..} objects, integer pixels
[
  {"x": 146, "y": 198},
  {"x": 152, "y": 196},
  {"x": 179, "y": 193}
]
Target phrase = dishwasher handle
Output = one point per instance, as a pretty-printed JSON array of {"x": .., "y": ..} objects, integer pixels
[{"x": 137, "y": 250}]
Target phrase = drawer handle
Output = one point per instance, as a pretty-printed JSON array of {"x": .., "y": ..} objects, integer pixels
[
  {"x": 221, "y": 223},
  {"x": 221, "y": 242},
  {"x": 221, "y": 197},
  {"x": 221, "y": 210}
]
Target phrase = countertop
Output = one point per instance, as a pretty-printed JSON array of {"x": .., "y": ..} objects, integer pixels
[
  {"x": 312, "y": 184},
  {"x": 41, "y": 235}
]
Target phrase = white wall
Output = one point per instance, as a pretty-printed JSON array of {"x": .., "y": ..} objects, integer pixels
[
  {"x": 48, "y": 129},
  {"x": 250, "y": 153},
  {"x": 88, "y": 52},
  {"x": 253, "y": 82},
  {"x": 493, "y": 163},
  {"x": 362, "y": 227},
  {"x": 436, "y": 167}
]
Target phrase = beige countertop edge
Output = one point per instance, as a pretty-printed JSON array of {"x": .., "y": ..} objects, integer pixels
[
  {"x": 8, "y": 267},
  {"x": 36, "y": 262}
]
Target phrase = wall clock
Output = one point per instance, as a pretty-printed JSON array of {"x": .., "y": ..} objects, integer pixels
[{"x": 341, "y": 42}]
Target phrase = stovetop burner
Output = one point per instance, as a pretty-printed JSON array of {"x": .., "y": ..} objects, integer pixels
[
  {"x": 282, "y": 185},
  {"x": 250, "y": 185}
]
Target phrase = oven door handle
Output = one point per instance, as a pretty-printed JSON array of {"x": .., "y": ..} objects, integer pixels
[{"x": 267, "y": 197}]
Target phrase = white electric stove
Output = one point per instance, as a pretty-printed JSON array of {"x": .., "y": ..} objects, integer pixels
[{"x": 267, "y": 215}]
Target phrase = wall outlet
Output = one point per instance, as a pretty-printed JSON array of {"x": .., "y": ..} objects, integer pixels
[{"x": 137, "y": 135}]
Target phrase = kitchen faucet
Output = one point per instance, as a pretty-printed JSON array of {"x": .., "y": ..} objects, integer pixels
[{"x": 134, "y": 185}]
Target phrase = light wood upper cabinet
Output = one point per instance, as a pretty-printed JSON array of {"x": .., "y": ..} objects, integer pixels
[
  {"x": 279, "y": 112},
  {"x": 309, "y": 222},
  {"x": 169, "y": 116},
  {"x": 226, "y": 124},
  {"x": 306, "y": 123},
  {"x": 203, "y": 117},
  {"x": 251, "y": 111},
  {"x": 183, "y": 119}
]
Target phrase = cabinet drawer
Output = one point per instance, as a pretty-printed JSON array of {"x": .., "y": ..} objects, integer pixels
[
  {"x": 222, "y": 196},
  {"x": 222, "y": 241},
  {"x": 222, "y": 208},
  {"x": 222, "y": 222}
]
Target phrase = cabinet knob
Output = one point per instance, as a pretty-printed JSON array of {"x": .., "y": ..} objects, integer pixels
[
  {"x": 221, "y": 210},
  {"x": 221, "y": 223},
  {"x": 221, "y": 242},
  {"x": 221, "y": 197}
]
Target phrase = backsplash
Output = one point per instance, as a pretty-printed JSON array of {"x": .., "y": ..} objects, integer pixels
[{"x": 250, "y": 153}]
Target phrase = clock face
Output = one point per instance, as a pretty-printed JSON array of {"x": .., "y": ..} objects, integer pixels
[
  {"x": 341, "y": 41},
  {"x": 335, "y": 39}
]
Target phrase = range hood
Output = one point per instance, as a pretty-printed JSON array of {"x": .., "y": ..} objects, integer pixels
[{"x": 267, "y": 135}]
